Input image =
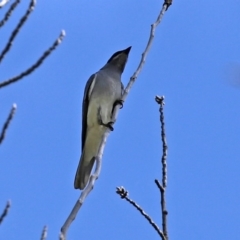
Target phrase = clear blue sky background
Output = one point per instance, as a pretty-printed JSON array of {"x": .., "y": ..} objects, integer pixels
[{"x": 194, "y": 62}]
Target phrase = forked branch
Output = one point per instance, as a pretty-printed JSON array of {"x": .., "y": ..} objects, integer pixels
[
  {"x": 124, "y": 195},
  {"x": 162, "y": 187}
]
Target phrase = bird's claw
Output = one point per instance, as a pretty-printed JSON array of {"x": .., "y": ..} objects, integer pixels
[
  {"x": 100, "y": 121},
  {"x": 118, "y": 102},
  {"x": 108, "y": 125}
]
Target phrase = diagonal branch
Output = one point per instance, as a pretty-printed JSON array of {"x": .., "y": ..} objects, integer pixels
[
  {"x": 3, "y": 3},
  {"x": 82, "y": 197},
  {"x": 35, "y": 65},
  {"x": 145, "y": 53},
  {"x": 9, "y": 12},
  {"x": 5, "y": 211},
  {"x": 16, "y": 30},
  {"x": 44, "y": 233},
  {"x": 6, "y": 124},
  {"x": 162, "y": 187},
  {"x": 90, "y": 185},
  {"x": 124, "y": 195}
]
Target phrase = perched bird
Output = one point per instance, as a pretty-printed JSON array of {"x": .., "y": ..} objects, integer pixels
[{"x": 102, "y": 92}]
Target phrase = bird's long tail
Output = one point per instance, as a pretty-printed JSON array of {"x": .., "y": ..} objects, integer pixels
[{"x": 91, "y": 147}]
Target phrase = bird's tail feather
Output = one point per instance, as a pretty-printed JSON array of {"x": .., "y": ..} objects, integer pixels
[
  {"x": 90, "y": 151},
  {"x": 83, "y": 174}
]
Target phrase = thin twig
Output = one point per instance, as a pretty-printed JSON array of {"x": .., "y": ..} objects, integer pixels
[
  {"x": 160, "y": 101},
  {"x": 35, "y": 65},
  {"x": 3, "y": 3},
  {"x": 6, "y": 124},
  {"x": 162, "y": 188},
  {"x": 9, "y": 12},
  {"x": 5, "y": 211},
  {"x": 44, "y": 233},
  {"x": 16, "y": 30},
  {"x": 124, "y": 195},
  {"x": 145, "y": 53}
]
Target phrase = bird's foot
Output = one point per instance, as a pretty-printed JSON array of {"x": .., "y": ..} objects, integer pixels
[{"x": 100, "y": 121}]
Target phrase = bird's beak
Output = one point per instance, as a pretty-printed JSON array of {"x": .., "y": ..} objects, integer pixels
[{"x": 127, "y": 50}]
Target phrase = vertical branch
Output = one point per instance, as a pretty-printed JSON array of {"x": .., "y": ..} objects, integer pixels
[
  {"x": 162, "y": 187},
  {"x": 160, "y": 101},
  {"x": 6, "y": 124},
  {"x": 5, "y": 211}
]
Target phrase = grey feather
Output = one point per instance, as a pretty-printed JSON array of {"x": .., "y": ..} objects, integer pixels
[{"x": 85, "y": 107}]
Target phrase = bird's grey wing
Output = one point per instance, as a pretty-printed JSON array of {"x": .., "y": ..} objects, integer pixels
[
  {"x": 87, "y": 93},
  {"x": 122, "y": 88}
]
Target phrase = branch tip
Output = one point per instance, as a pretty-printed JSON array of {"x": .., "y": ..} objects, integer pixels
[
  {"x": 6, "y": 124},
  {"x": 167, "y": 3},
  {"x": 122, "y": 192},
  {"x": 44, "y": 233},
  {"x": 3, "y": 3},
  {"x": 63, "y": 33},
  {"x": 160, "y": 100},
  {"x": 5, "y": 211}
]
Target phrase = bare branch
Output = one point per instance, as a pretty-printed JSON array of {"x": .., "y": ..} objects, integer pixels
[
  {"x": 145, "y": 53},
  {"x": 44, "y": 233},
  {"x": 61, "y": 237},
  {"x": 35, "y": 65},
  {"x": 5, "y": 211},
  {"x": 9, "y": 12},
  {"x": 6, "y": 124},
  {"x": 160, "y": 101},
  {"x": 124, "y": 195},
  {"x": 83, "y": 195},
  {"x": 162, "y": 188},
  {"x": 16, "y": 30},
  {"x": 3, "y": 3},
  {"x": 168, "y": 3}
]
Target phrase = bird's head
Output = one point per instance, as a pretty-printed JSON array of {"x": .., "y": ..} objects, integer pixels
[{"x": 119, "y": 59}]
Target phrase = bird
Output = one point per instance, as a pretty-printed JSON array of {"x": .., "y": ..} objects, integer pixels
[{"x": 103, "y": 91}]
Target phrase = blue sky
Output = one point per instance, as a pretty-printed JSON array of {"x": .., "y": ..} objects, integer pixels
[{"x": 194, "y": 62}]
